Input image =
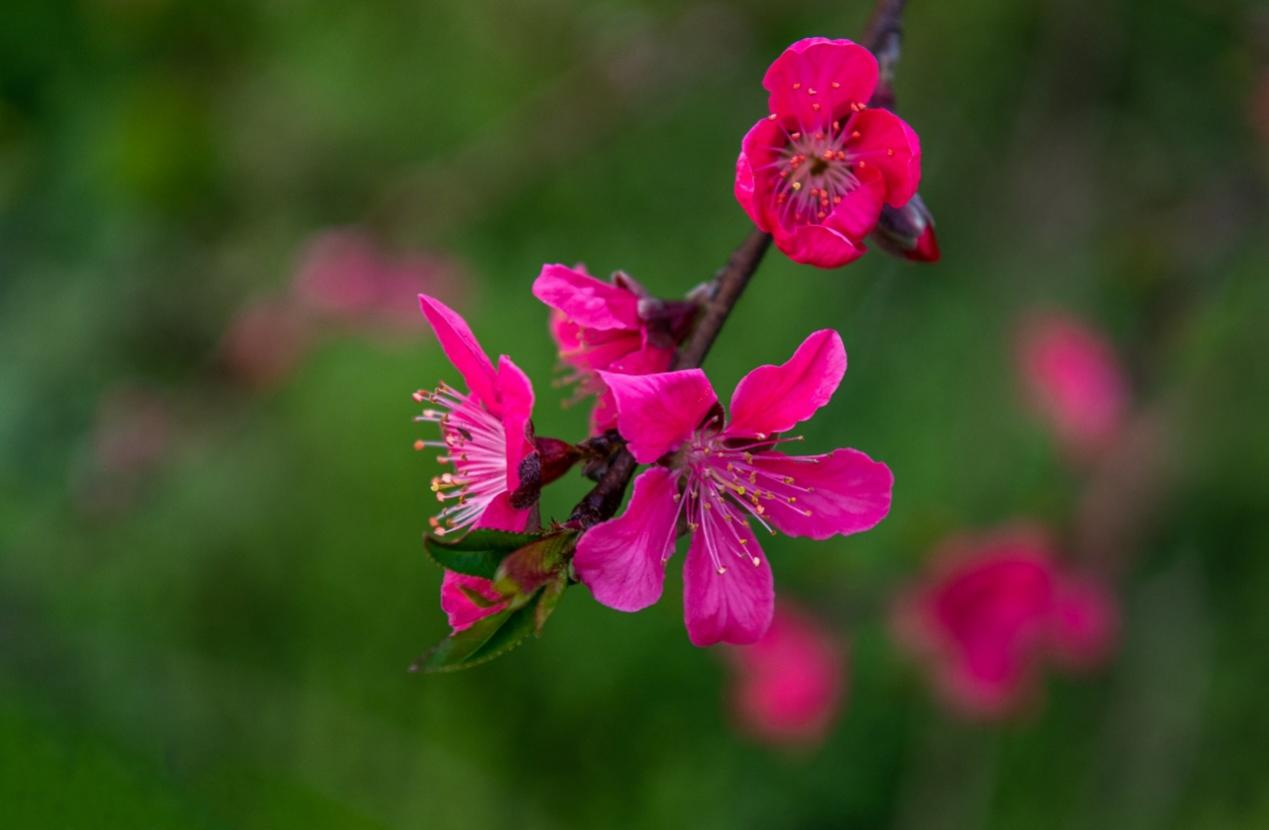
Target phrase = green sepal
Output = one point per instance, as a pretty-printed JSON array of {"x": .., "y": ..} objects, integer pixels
[
  {"x": 477, "y": 553},
  {"x": 548, "y": 599},
  {"x": 524, "y": 571},
  {"x": 482, "y": 641}
]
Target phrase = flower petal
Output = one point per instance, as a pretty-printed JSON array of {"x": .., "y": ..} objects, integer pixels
[
  {"x": 462, "y": 348},
  {"x": 757, "y": 150},
  {"x": 656, "y": 413},
  {"x": 589, "y": 302},
  {"x": 774, "y": 399},
  {"x": 887, "y": 143},
  {"x": 859, "y": 211},
  {"x": 731, "y": 607},
  {"x": 1085, "y": 623},
  {"x": 467, "y": 599},
  {"x": 622, "y": 560},
  {"x": 514, "y": 395},
  {"x": 843, "y": 492},
  {"x": 500, "y": 515},
  {"x": 816, "y": 245},
  {"x": 817, "y": 79}
]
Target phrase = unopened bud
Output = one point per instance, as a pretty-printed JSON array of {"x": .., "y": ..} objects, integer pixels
[{"x": 908, "y": 232}]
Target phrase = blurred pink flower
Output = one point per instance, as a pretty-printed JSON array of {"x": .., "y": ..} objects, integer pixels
[
  {"x": 132, "y": 434},
  {"x": 1073, "y": 380},
  {"x": 816, "y": 172},
  {"x": 788, "y": 686},
  {"x": 615, "y": 327},
  {"x": 716, "y": 475},
  {"x": 467, "y": 599},
  {"x": 996, "y": 607},
  {"x": 344, "y": 277},
  {"x": 264, "y": 342},
  {"x": 487, "y": 431}
]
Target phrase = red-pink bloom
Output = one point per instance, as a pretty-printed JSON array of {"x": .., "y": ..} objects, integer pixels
[
  {"x": 716, "y": 476},
  {"x": 1073, "y": 380},
  {"x": 993, "y": 610},
  {"x": 265, "y": 341},
  {"x": 615, "y": 327},
  {"x": 346, "y": 278},
  {"x": 788, "y": 685},
  {"x": 486, "y": 431},
  {"x": 816, "y": 172},
  {"x": 467, "y": 599}
]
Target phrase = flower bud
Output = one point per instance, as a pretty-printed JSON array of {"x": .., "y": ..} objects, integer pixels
[{"x": 908, "y": 232}]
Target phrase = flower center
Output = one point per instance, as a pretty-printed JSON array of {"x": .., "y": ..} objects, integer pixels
[
  {"x": 726, "y": 485},
  {"x": 475, "y": 442},
  {"x": 814, "y": 171}
]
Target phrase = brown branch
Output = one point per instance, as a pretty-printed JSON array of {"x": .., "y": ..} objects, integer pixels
[
  {"x": 883, "y": 38},
  {"x": 728, "y": 284}
]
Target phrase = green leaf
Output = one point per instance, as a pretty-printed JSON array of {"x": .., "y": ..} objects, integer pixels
[
  {"x": 478, "y": 553},
  {"x": 482, "y": 641},
  {"x": 549, "y": 599},
  {"x": 526, "y": 570}
]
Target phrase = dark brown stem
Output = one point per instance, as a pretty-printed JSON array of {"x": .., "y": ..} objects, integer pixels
[
  {"x": 728, "y": 284},
  {"x": 883, "y": 38}
]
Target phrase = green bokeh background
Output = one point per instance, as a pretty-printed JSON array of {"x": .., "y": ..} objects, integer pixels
[{"x": 230, "y": 650}]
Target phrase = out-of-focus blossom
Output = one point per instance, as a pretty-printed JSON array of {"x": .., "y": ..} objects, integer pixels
[
  {"x": 265, "y": 340},
  {"x": 788, "y": 686},
  {"x": 486, "y": 432},
  {"x": 345, "y": 278},
  {"x": 717, "y": 476},
  {"x": 816, "y": 172},
  {"x": 132, "y": 434},
  {"x": 615, "y": 327},
  {"x": 1073, "y": 380},
  {"x": 467, "y": 599},
  {"x": 993, "y": 610}
]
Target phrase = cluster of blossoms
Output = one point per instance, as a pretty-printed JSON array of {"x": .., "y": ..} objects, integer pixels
[{"x": 815, "y": 174}]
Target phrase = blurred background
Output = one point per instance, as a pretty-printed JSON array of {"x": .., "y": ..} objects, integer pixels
[{"x": 213, "y": 219}]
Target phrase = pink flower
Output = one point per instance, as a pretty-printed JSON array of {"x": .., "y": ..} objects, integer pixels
[
  {"x": 467, "y": 599},
  {"x": 486, "y": 431},
  {"x": 615, "y": 327},
  {"x": 816, "y": 172},
  {"x": 993, "y": 610},
  {"x": 716, "y": 477},
  {"x": 265, "y": 341},
  {"x": 1073, "y": 380},
  {"x": 344, "y": 277},
  {"x": 788, "y": 686}
]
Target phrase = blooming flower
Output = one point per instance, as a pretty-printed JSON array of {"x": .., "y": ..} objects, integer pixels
[
  {"x": 816, "y": 171},
  {"x": 717, "y": 476},
  {"x": 993, "y": 610},
  {"x": 345, "y": 277},
  {"x": 486, "y": 431},
  {"x": 1073, "y": 380},
  {"x": 788, "y": 685},
  {"x": 467, "y": 599},
  {"x": 616, "y": 327}
]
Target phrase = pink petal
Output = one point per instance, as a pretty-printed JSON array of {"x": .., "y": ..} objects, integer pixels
[
  {"x": 500, "y": 515},
  {"x": 804, "y": 77},
  {"x": 753, "y": 191},
  {"x": 887, "y": 143},
  {"x": 656, "y": 413},
  {"x": 514, "y": 396},
  {"x": 647, "y": 360},
  {"x": 844, "y": 492},
  {"x": 773, "y": 399},
  {"x": 816, "y": 245},
  {"x": 857, "y": 214},
  {"x": 732, "y": 607},
  {"x": 467, "y": 599},
  {"x": 622, "y": 560},
  {"x": 589, "y": 302},
  {"x": 462, "y": 349}
]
